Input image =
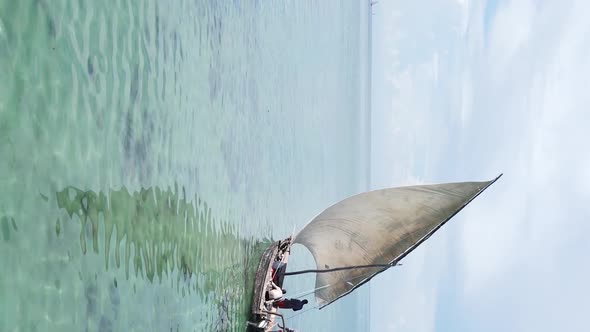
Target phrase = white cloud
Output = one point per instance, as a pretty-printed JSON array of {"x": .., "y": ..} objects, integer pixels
[
  {"x": 515, "y": 237},
  {"x": 466, "y": 105},
  {"x": 511, "y": 29},
  {"x": 464, "y": 17},
  {"x": 435, "y": 67},
  {"x": 551, "y": 139},
  {"x": 417, "y": 52},
  {"x": 520, "y": 101},
  {"x": 409, "y": 293}
]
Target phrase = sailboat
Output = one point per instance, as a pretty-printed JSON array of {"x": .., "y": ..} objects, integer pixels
[{"x": 357, "y": 238}]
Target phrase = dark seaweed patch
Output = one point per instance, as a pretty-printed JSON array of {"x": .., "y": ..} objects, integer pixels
[
  {"x": 90, "y": 66},
  {"x": 105, "y": 325},
  {"x": 57, "y": 227},
  {"x": 51, "y": 29},
  {"x": 90, "y": 293}
]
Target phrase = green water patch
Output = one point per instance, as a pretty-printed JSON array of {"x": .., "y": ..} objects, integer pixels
[
  {"x": 160, "y": 234},
  {"x": 150, "y": 259},
  {"x": 8, "y": 226}
]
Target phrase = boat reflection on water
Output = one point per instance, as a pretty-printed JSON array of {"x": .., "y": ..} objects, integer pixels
[{"x": 161, "y": 236}]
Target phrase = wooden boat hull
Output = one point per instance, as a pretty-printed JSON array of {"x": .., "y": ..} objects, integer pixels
[{"x": 263, "y": 315}]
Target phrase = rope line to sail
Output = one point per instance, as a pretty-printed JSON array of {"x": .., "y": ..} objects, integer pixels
[
  {"x": 303, "y": 294},
  {"x": 336, "y": 269},
  {"x": 298, "y": 296}
]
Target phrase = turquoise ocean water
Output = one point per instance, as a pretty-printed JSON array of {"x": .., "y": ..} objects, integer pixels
[{"x": 150, "y": 149}]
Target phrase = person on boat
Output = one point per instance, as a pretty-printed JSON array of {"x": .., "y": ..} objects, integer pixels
[
  {"x": 294, "y": 304},
  {"x": 276, "y": 266},
  {"x": 275, "y": 293}
]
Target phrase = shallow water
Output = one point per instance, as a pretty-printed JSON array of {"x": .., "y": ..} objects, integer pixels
[{"x": 150, "y": 149}]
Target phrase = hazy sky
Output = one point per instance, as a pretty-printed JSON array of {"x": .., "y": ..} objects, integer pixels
[{"x": 465, "y": 90}]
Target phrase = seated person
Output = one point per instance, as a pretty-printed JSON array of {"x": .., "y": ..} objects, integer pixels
[
  {"x": 275, "y": 292},
  {"x": 294, "y": 304}
]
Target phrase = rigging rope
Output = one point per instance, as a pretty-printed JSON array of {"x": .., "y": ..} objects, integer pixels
[
  {"x": 319, "y": 288},
  {"x": 303, "y": 294},
  {"x": 336, "y": 269}
]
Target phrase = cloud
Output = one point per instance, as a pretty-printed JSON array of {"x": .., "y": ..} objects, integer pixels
[
  {"x": 523, "y": 240},
  {"x": 409, "y": 86},
  {"x": 511, "y": 29},
  {"x": 407, "y": 135},
  {"x": 466, "y": 98},
  {"x": 543, "y": 151},
  {"x": 406, "y": 295},
  {"x": 464, "y": 15},
  {"x": 510, "y": 96}
]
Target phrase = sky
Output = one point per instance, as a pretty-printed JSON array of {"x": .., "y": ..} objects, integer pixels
[{"x": 464, "y": 90}]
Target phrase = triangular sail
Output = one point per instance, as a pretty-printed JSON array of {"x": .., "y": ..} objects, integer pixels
[{"x": 378, "y": 227}]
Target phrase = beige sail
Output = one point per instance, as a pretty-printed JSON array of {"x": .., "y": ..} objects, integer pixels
[{"x": 378, "y": 227}]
